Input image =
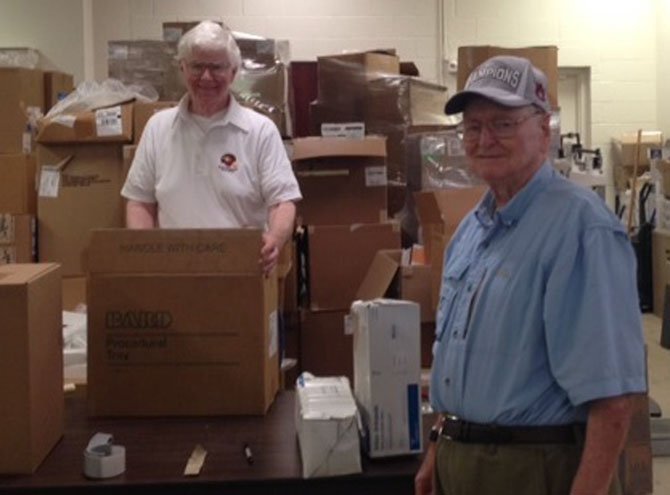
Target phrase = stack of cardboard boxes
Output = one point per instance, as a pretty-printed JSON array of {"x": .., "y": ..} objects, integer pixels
[
  {"x": 25, "y": 94},
  {"x": 344, "y": 212}
]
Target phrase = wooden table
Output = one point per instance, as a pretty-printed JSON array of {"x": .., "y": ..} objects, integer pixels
[{"x": 157, "y": 450}]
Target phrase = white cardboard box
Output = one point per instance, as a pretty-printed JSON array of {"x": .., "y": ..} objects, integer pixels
[
  {"x": 387, "y": 375},
  {"x": 327, "y": 424}
]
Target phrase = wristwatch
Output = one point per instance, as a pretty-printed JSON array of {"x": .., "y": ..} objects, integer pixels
[{"x": 434, "y": 434}]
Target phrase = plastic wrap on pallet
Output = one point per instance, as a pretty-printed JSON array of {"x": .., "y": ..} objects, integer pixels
[
  {"x": 267, "y": 90},
  {"x": 25, "y": 58},
  {"x": 443, "y": 162},
  {"x": 405, "y": 100},
  {"x": 149, "y": 63}
]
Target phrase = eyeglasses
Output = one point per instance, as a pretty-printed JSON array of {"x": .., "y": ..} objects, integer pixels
[
  {"x": 504, "y": 128},
  {"x": 199, "y": 68}
]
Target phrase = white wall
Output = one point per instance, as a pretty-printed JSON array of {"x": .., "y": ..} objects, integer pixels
[
  {"x": 663, "y": 67},
  {"x": 314, "y": 27},
  {"x": 615, "y": 38},
  {"x": 55, "y": 27}
]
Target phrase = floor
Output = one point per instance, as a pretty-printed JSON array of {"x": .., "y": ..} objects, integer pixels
[{"x": 659, "y": 389}]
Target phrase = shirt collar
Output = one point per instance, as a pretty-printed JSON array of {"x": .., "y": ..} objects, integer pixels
[
  {"x": 234, "y": 116},
  {"x": 512, "y": 211}
]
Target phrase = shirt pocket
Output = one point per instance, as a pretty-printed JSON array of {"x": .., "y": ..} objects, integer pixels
[{"x": 452, "y": 280}]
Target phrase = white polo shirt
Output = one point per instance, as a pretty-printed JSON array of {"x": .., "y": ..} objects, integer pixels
[{"x": 226, "y": 175}]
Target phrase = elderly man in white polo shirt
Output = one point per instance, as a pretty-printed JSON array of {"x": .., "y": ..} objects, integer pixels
[{"x": 209, "y": 162}]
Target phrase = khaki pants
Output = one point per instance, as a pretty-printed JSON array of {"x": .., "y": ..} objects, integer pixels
[{"x": 486, "y": 469}]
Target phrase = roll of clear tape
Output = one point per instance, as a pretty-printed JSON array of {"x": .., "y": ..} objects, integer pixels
[{"x": 103, "y": 459}]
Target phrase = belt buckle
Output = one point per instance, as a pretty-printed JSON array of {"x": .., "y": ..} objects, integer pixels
[{"x": 461, "y": 433}]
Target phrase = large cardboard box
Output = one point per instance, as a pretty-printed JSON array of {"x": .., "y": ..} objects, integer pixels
[
  {"x": 17, "y": 238},
  {"x": 142, "y": 112},
  {"x": 17, "y": 184},
  {"x": 339, "y": 256},
  {"x": 57, "y": 85},
  {"x": 74, "y": 293},
  {"x": 21, "y": 93},
  {"x": 404, "y": 100},
  {"x": 87, "y": 196},
  {"x": 343, "y": 181},
  {"x": 31, "y": 365},
  {"x": 440, "y": 213},
  {"x": 624, "y": 146},
  {"x": 544, "y": 58},
  {"x": 387, "y": 375},
  {"x": 180, "y": 322},
  {"x": 342, "y": 78},
  {"x": 111, "y": 124},
  {"x": 325, "y": 348},
  {"x": 388, "y": 277}
]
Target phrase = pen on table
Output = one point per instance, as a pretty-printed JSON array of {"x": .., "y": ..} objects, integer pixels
[{"x": 248, "y": 454}]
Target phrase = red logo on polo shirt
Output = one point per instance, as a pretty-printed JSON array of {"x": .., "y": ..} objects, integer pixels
[{"x": 228, "y": 162}]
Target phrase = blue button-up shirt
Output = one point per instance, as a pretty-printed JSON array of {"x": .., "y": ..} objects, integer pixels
[{"x": 538, "y": 311}]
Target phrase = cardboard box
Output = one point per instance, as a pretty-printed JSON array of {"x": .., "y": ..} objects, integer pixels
[
  {"x": 623, "y": 148},
  {"x": 17, "y": 238},
  {"x": 404, "y": 100},
  {"x": 88, "y": 197},
  {"x": 440, "y": 213},
  {"x": 660, "y": 264},
  {"x": 325, "y": 348},
  {"x": 342, "y": 78},
  {"x": 111, "y": 124},
  {"x": 339, "y": 256},
  {"x": 74, "y": 293},
  {"x": 388, "y": 277},
  {"x": 387, "y": 375},
  {"x": 21, "y": 91},
  {"x": 17, "y": 184},
  {"x": 327, "y": 426},
  {"x": 343, "y": 181},
  {"x": 57, "y": 85},
  {"x": 31, "y": 365},
  {"x": 180, "y": 322},
  {"x": 142, "y": 112},
  {"x": 544, "y": 58}
]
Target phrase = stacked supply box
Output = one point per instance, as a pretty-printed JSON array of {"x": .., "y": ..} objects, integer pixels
[
  {"x": 21, "y": 97},
  {"x": 81, "y": 174},
  {"x": 343, "y": 182},
  {"x": 31, "y": 365},
  {"x": 17, "y": 238},
  {"x": 180, "y": 322},
  {"x": 387, "y": 375},
  {"x": 440, "y": 212}
]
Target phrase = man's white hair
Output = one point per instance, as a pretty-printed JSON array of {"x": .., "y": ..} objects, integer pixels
[{"x": 210, "y": 35}]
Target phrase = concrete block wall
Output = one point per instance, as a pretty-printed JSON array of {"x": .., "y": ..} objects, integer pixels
[{"x": 314, "y": 27}]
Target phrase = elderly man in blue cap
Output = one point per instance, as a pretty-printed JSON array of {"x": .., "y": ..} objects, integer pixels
[{"x": 539, "y": 343}]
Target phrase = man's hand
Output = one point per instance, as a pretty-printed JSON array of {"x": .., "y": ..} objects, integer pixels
[
  {"x": 425, "y": 477},
  {"x": 269, "y": 253}
]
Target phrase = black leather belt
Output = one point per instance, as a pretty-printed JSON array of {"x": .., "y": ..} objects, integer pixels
[{"x": 466, "y": 432}]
